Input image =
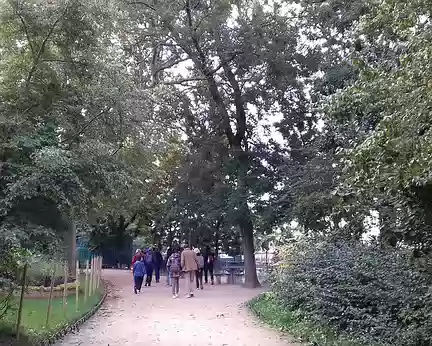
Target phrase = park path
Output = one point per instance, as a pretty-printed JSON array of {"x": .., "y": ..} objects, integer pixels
[{"x": 215, "y": 316}]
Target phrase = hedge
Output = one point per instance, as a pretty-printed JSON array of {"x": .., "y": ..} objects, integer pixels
[{"x": 371, "y": 295}]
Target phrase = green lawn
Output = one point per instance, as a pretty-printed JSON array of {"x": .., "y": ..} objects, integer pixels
[{"x": 35, "y": 311}]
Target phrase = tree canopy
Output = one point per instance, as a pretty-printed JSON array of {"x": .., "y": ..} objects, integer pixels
[{"x": 213, "y": 122}]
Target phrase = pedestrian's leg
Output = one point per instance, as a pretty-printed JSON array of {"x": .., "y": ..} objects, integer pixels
[
  {"x": 146, "y": 276},
  {"x": 139, "y": 283},
  {"x": 157, "y": 273},
  {"x": 176, "y": 283},
  {"x": 191, "y": 279},
  {"x": 149, "y": 275},
  {"x": 174, "y": 289},
  {"x": 168, "y": 278},
  {"x": 211, "y": 275},
  {"x": 197, "y": 278},
  {"x": 135, "y": 284},
  {"x": 188, "y": 283},
  {"x": 205, "y": 274},
  {"x": 201, "y": 278}
]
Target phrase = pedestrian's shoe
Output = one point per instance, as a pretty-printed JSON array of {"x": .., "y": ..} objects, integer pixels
[
  {"x": 202, "y": 287},
  {"x": 135, "y": 290}
]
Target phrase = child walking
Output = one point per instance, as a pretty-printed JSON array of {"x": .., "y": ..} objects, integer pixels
[
  {"x": 138, "y": 274},
  {"x": 174, "y": 270}
]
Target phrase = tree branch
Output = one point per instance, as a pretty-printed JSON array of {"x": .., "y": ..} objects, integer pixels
[
  {"x": 235, "y": 54},
  {"x": 65, "y": 61},
  {"x": 26, "y": 32},
  {"x": 42, "y": 47},
  {"x": 182, "y": 81},
  {"x": 213, "y": 88},
  {"x": 240, "y": 135},
  {"x": 142, "y": 3},
  {"x": 170, "y": 64},
  {"x": 133, "y": 218},
  {"x": 84, "y": 127}
]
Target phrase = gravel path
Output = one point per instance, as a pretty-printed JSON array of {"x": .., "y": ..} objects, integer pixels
[{"x": 213, "y": 317}]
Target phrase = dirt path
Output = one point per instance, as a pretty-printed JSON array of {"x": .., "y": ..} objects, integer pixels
[{"x": 213, "y": 317}]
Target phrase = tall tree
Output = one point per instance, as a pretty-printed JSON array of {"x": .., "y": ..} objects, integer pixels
[{"x": 242, "y": 66}]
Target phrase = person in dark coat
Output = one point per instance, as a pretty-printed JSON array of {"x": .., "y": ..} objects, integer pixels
[
  {"x": 168, "y": 255},
  {"x": 209, "y": 261},
  {"x": 157, "y": 263},
  {"x": 148, "y": 262}
]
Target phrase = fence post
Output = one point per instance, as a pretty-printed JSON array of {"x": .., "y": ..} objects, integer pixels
[
  {"x": 66, "y": 274},
  {"x": 77, "y": 285},
  {"x": 100, "y": 271},
  {"x": 86, "y": 288},
  {"x": 23, "y": 284},
  {"x": 50, "y": 296},
  {"x": 96, "y": 274},
  {"x": 91, "y": 276}
]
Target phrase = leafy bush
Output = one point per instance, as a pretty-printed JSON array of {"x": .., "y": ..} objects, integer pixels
[
  {"x": 377, "y": 296},
  {"x": 268, "y": 308}
]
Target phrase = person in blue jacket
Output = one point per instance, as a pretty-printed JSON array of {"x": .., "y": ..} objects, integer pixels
[{"x": 138, "y": 273}]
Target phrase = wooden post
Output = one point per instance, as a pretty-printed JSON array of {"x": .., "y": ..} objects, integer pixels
[
  {"x": 77, "y": 285},
  {"x": 97, "y": 273},
  {"x": 50, "y": 297},
  {"x": 23, "y": 284},
  {"x": 94, "y": 275},
  {"x": 91, "y": 277},
  {"x": 86, "y": 285},
  {"x": 66, "y": 274},
  {"x": 100, "y": 271}
]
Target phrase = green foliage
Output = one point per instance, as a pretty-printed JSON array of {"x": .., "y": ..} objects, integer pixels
[
  {"x": 270, "y": 310},
  {"x": 386, "y": 165},
  {"x": 375, "y": 296}
]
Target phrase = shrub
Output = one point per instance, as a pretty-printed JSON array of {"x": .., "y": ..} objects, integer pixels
[{"x": 377, "y": 296}]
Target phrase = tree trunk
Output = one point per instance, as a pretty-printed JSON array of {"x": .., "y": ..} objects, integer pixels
[
  {"x": 70, "y": 244},
  {"x": 217, "y": 242},
  {"x": 246, "y": 230}
]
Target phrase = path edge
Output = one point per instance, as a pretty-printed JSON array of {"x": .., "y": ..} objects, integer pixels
[{"x": 74, "y": 326}]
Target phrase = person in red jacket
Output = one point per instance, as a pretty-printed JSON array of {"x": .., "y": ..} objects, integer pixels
[{"x": 138, "y": 254}]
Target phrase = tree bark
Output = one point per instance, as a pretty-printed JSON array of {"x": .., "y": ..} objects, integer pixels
[
  {"x": 70, "y": 245},
  {"x": 246, "y": 231}
]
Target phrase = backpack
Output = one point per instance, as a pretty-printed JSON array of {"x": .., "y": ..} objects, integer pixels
[
  {"x": 148, "y": 258},
  {"x": 174, "y": 263},
  {"x": 200, "y": 260}
]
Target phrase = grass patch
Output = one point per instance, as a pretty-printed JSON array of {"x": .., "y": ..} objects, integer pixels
[
  {"x": 269, "y": 310},
  {"x": 34, "y": 313}
]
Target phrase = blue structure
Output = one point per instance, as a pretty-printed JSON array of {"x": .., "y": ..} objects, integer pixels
[
  {"x": 112, "y": 258},
  {"x": 82, "y": 251}
]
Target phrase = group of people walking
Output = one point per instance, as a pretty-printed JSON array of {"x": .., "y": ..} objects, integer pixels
[{"x": 179, "y": 262}]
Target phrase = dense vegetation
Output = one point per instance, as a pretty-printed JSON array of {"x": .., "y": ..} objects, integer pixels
[{"x": 233, "y": 124}]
